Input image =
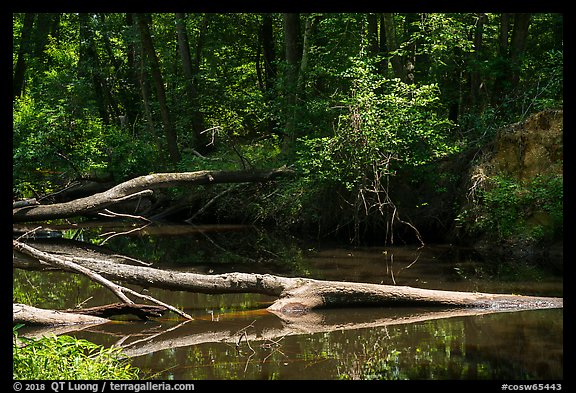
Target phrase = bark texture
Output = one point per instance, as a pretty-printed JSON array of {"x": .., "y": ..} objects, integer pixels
[
  {"x": 138, "y": 187},
  {"x": 29, "y": 315},
  {"x": 299, "y": 295}
]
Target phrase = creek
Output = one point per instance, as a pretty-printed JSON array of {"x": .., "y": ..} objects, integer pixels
[{"x": 233, "y": 336}]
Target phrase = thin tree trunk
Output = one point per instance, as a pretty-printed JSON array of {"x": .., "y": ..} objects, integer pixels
[
  {"x": 296, "y": 73},
  {"x": 475, "y": 76},
  {"x": 23, "y": 51},
  {"x": 189, "y": 74},
  {"x": 291, "y": 29},
  {"x": 89, "y": 65},
  {"x": 145, "y": 91},
  {"x": 148, "y": 47},
  {"x": 267, "y": 38},
  {"x": 383, "y": 47},
  {"x": 518, "y": 45},
  {"x": 392, "y": 44},
  {"x": 303, "y": 69},
  {"x": 129, "y": 94},
  {"x": 504, "y": 34}
]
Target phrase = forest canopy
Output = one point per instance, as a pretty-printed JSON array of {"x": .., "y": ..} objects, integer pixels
[{"x": 348, "y": 100}]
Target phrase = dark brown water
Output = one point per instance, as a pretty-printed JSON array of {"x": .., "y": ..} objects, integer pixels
[{"x": 235, "y": 337}]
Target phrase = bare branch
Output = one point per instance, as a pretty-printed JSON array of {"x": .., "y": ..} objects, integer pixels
[
  {"x": 69, "y": 265},
  {"x": 63, "y": 263}
]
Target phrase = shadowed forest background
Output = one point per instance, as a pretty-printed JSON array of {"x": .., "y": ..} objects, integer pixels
[{"x": 379, "y": 114}]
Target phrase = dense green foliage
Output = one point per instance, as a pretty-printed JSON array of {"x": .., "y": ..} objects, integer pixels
[
  {"x": 516, "y": 210},
  {"x": 348, "y": 99},
  {"x": 65, "y": 357}
]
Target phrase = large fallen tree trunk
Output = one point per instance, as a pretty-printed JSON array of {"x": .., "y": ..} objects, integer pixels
[
  {"x": 298, "y": 295},
  {"x": 138, "y": 187}
]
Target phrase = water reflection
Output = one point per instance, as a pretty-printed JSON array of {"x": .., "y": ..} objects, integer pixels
[{"x": 523, "y": 345}]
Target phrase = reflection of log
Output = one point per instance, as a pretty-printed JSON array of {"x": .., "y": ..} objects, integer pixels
[
  {"x": 55, "y": 230},
  {"x": 266, "y": 327},
  {"x": 138, "y": 187},
  {"x": 266, "y": 330},
  {"x": 29, "y": 315},
  {"x": 298, "y": 295}
]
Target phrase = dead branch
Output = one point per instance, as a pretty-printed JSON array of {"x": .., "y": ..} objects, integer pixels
[{"x": 62, "y": 262}]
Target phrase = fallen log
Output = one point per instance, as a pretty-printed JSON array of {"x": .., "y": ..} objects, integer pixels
[
  {"x": 299, "y": 295},
  {"x": 33, "y": 316},
  {"x": 138, "y": 187}
]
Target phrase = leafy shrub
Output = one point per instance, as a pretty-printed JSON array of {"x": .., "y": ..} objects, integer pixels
[
  {"x": 65, "y": 357},
  {"x": 52, "y": 146},
  {"x": 387, "y": 125},
  {"x": 506, "y": 209}
]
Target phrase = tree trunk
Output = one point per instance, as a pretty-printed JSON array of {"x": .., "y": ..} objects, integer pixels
[
  {"x": 291, "y": 34},
  {"x": 518, "y": 45},
  {"x": 139, "y": 187},
  {"x": 23, "y": 51},
  {"x": 296, "y": 73},
  {"x": 189, "y": 74},
  {"x": 131, "y": 74},
  {"x": 33, "y": 40},
  {"x": 303, "y": 69},
  {"x": 89, "y": 65},
  {"x": 475, "y": 75},
  {"x": 504, "y": 34},
  {"x": 510, "y": 53},
  {"x": 148, "y": 47},
  {"x": 142, "y": 311},
  {"x": 267, "y": 38},
  {"x": 383, "y": 47},
  {"x": 392, "y": 44},
  {"x": 297, "y": 295},
  {"x": 44, "y": 24},
  {"x": 34, "y": 316}
]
